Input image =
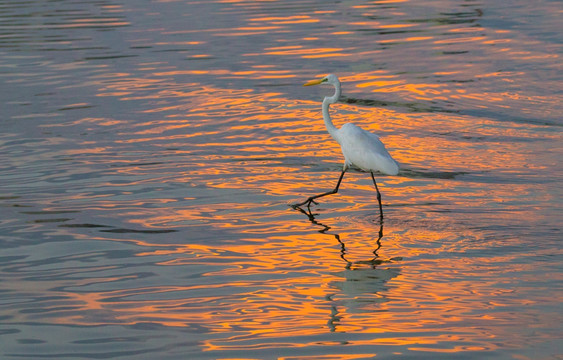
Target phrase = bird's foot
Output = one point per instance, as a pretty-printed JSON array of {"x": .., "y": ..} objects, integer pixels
[{"x": 308, "y": 202}]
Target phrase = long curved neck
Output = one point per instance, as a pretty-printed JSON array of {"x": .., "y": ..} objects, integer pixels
[{"x": 332, "y": 130}]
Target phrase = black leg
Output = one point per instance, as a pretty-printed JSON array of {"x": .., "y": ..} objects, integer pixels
[
  {"x": 334, "y": 191},
  {"x": 378, "y": 196}
]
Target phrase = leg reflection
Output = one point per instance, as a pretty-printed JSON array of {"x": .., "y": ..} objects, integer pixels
[
  {"x": 358, "y": 287},
  {"x": 325, "y": 228}
]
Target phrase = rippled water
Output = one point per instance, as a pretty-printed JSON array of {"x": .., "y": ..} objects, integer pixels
[{"x": 149, "y": 151}]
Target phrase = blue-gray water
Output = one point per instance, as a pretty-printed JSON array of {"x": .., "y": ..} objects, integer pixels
[{"x": 149, "y": 151}]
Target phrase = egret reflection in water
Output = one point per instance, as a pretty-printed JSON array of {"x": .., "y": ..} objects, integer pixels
[
  {"x": 361, "y": 284},
  {"x": 349, "y": 264}
]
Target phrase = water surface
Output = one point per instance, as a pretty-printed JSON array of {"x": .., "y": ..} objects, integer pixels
[{"x": 149, "y": 152}]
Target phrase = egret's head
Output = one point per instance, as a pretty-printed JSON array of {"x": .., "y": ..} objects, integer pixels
[{"x": 329, "y": 79}]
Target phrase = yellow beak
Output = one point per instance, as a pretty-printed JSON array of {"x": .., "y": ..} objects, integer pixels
[{"x": 313, "y": 82}]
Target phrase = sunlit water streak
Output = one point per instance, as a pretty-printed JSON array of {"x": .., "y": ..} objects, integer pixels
[{"x": 148, "y": 155}]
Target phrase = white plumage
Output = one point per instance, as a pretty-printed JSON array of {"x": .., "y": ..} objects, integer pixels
[
  {"x": 360, "y": 148},
  {"x": 364, "y": 150}
]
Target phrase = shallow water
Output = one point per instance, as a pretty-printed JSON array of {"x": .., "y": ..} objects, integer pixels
[{"x": 149, "y": 152}]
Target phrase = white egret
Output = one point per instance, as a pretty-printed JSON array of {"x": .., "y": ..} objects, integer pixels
[{"x": 360, "y": 148}]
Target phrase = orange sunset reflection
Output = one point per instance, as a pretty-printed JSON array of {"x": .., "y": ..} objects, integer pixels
[
  {"x": 155, "y": 154},
  {"x": 237, "y": 156},
  {"x": 329, "y": 276}
]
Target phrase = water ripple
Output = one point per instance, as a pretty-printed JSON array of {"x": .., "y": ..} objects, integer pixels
[{"x": 149, "y": 154}]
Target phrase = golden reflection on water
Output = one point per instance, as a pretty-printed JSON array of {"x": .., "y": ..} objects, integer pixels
[
  {"x": 337, "y": 271},
  {"x": 195, "y": 183},
  {"x": 277, "y": 274}
]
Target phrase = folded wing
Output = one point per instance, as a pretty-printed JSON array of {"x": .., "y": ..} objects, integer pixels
[{"x": 364, "y": 150}]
